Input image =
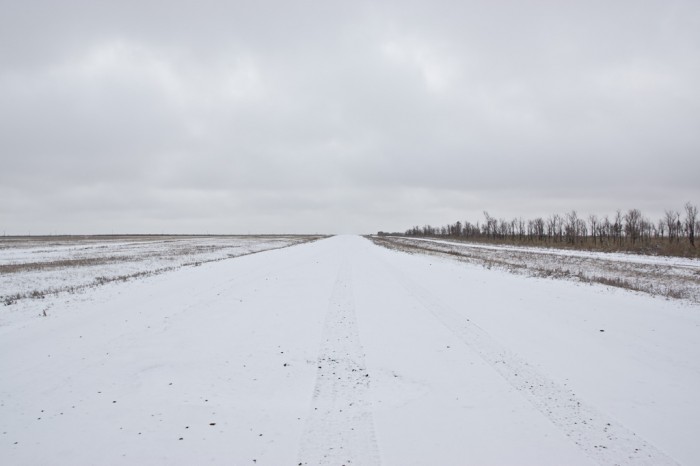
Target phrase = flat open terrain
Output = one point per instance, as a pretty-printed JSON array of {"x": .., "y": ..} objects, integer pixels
[
  {"x": 674, "y": 277},
  {"x": 33, "y": 268},
  {"x": 339, "y": 351}
]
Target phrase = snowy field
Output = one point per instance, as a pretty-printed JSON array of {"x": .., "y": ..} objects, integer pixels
[
  {"x": 339, "y": 351},
  {"x": 672, "y": 277},
  {"x": 33, "y": 269}
]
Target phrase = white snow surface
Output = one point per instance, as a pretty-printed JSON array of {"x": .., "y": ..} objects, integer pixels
[
  {"x": 675, "y": 277},
  {"x": 342, "y": 352},
  {"x": 609, "y": 256},
  {"x": 43, "y": 267}
]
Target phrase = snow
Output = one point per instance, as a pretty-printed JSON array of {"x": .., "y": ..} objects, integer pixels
[
  {"x": 343, "y": 352},
  {"x": 609, "y": 256},
  {"x": 46, "y": 266},
  {"x": 657, "y": 275}
]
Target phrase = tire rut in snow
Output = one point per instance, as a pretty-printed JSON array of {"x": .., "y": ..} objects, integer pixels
[
  {"x": 340, "y": 428},
  {"x": 603, "y": 439}
]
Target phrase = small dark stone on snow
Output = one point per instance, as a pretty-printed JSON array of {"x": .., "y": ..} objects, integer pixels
[
  {"x": 212, "y": 423},
  {"x": 602, "y": 330}
]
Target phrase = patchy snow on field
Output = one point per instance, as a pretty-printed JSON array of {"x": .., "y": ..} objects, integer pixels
[
  {"x": 342, "y": 352},
  {"x": 608, "y": 256},
  {"x": 34, "y": 270},
  {"x": 672, "y": 277}
]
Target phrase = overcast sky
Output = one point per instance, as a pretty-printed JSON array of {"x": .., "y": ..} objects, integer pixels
[{"x": 296, "y": 116}]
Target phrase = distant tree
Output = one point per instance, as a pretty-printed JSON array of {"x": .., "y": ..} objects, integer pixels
[
  {"x": 631, "y": 230},
  {"x": 617, "y": 227},
  {"x": 538, "y": 225},
  {"x": 672, "y": 219},
  {"x": 503, "y": 227},
  {"x": 581, "y": 228},
  {"x": 633, "y": 218},
  {"x": 571, "y": 227},
  {"x": 593, "y": 221},
  {"x": 691, "y": 214},
  {"x": 604, "y": 230},
  {"x": 521, "y": 228},
  {"x": 661, "y": 227},
  {"x": 491, "y": 225},
  {"x": 554, "y": 227}
]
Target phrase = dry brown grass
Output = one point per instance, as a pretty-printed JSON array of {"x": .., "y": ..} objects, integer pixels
[
  {"x": 657, "y": 280},
  {"x": 85, "y": 262},
  {"x": 60, "y": 264}
]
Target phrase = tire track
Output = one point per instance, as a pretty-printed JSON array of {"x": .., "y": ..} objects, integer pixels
[
  {"x": 340, "y": 429},
  {"x": 603, "y": 439}
]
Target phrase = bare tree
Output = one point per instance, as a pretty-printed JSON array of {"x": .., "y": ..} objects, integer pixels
[
  {"x": 593, "y": 221},
  {"x": 661, "y": 228},
  {"x": 617, "y": 227},
  {"x": 633, "y": 219},
  {"x": 691, "y": 214},
  {"x": 604, "y": 233},
  {"x": 571, "y": 227},
  {"x": 630, "y": 231},
  {"x": 490, "y": 225},
  {"x": 539, "y": 228},
  {"x": 670, "y": 217}
]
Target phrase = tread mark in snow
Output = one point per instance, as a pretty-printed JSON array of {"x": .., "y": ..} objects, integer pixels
[
  {"x": 340, "y": 428},
  {"x": 603, "y": 439}
]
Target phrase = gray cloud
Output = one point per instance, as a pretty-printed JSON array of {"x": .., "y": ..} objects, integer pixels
[{"x": 299, "y": 116}]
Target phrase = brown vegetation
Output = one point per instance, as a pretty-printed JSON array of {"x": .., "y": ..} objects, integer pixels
[
  {"x": 661, "y": 278},
  {"x": 179, "y": 254},
  {"x": 631, "y": 231}
]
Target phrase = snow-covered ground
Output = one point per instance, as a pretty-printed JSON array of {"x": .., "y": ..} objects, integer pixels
[
  {"x": 673, "y": 277},
  {"x": 34, "y": 269},
  {"x": 608, "y": 256},
  {"x": 343, "y": 352}
]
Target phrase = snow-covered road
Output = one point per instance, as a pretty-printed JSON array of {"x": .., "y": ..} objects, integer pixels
[{"x": 342, "y": 352}]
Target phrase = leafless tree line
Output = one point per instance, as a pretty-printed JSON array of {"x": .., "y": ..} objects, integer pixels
[{"x": 674, "y": 234}]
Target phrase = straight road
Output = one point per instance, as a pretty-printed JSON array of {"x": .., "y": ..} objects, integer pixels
[{"x": 343, "y": 352}]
